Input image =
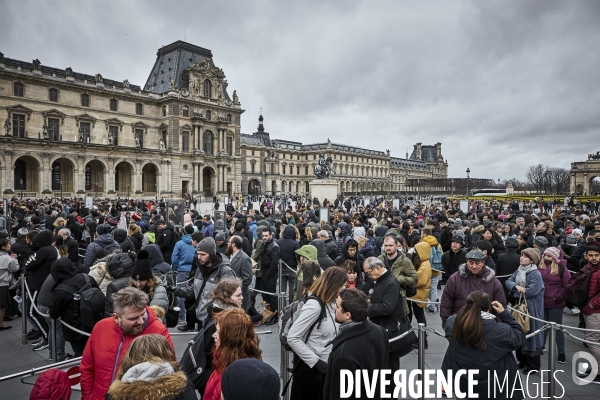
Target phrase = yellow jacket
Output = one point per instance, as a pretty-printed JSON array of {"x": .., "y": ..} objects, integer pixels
[
  {"x": 433, "y": 242},
  {"x": 423, "y": 273}
]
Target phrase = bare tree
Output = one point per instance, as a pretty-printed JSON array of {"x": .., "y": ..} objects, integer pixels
[
  {"x": 560, "y": 180},
  {"x": 536, "y": 176}
]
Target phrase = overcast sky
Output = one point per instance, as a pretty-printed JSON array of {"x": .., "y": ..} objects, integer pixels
[{"x": 501, "y": 84}]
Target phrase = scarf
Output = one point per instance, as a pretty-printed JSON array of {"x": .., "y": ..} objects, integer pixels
[
  {"x": 348, "y": 325},
  {"x": 521, "y": 278},
  {"x": 487, "y": 315}
]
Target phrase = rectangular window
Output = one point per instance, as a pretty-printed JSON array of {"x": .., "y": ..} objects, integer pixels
[
  {"x": 113, "y": 131},
  {"x": 139, "y": 109},
  {"x": 85, "y": 100},
  {"x": 230, "y": 146},
  {"x": 113, "y": 105},
  {"x": 283, "y": 169},
  {"x": 53, "y": 131},
  {"x": 85, "y": 130},
  {"x": 53, "y": 94},
  {"x": 139, "y": 133},
  {"x": 252, "y": 167},
  {"x": 306, "y": 170},
  {"x": 18, "y": 125},
  {"x": 185, "y": 141},
  {"x": 18, "y": 89},
  {"x": 186, "y": 111},
  {"x": 298, "y": 170},
  {"x": 272, "y": 168}
]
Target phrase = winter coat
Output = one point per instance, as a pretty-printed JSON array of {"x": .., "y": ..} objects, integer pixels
[
  {"x": 62, "y": 304},
  {"x": 101, "y": 242},
  {"x": 213, "y": 386},
  {"x": 593, "y": 306},
  {"x": 8, "y": 266},
  {"x": 404, "y": 272},
  {"x": 183, "y": 254},
  {"x": 269, "y": 260},
  {"x": 462, "y": 283},
  {"x": 367, "y": 251},
  {"x": 152, "y": 381},
  {"x": 534, "y": 295},
  {"x": 358, "y": 258},
  {"x": 166, "y": 240},
  {"x": 73, "y": 250},
  {"x": 121, "y": 274},
  {"x": 385, "y": 308},
  {"x": 324, "y": 261},
  {"x": 159, "y": 297},
  {"x": 247, "y": 245},
  {"x": 105, "y": 350},
  {"x": 201, "y": 293},
  {"x": 252, "y": 228},
  {"x": 159, "y": 266},
  {"x": 287, "y": 250},
  {"x": 208, "y": 229},
  {"x": 451, "y": 261},
  {"x": 137, "y": 239},
  {"x": 38, "y": 264},
  {"x": 364, "y": 346},
  {"x": 502, "y": 336},
  {"x": 241, "y": 264},
  {"x": 508, "y": 263},
  {"x": 433, "y": 242},
  {"x": 331, "y": 249},
  {"x": 51, "y": 384},
  {"x": 343, "y": 237},
  {"x": 318, "y": 345},
  {"x": 100, "y": 270},
  {"x": 554, "y": 287},
  {"x": 423, "y": 274}
]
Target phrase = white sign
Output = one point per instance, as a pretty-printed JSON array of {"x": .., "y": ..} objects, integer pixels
[
  {"x": 464, "y": 206},
  {"x": 226, "y": 200},
  {"x": 324, "y": 214},
  {"x": 396, "y": 203},
  {"x": 89, "y": 202},
  {"x": 367, "y": 202}
]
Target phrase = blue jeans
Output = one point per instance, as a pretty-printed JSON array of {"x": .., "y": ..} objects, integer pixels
[
  {"x": 433, "y": 290},
  {"x": 182, "y": 276},
  {"x": 60, "y": 338}
]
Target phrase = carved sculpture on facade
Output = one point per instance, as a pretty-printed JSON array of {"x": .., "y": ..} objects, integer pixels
[
  {"x": 137, "y": 141},
  {"x": 110, "y": 138},
  {"x": 161, "y": 143},
  {"x": 324, "y": 168},
  {"x": 69, "y": 71},
  {"x": 172, "y": 83},
  {"x": 126, "y": 84},
  {"x": 594, "y": 156},
  {"x": 99, "y": 78},
  {"x": 80, "y": 133},
  {"x": 36, "y": 64},
  {"x": 7, "y": 127},
  {"x": 45, "y": 131},
  {"x": 235, "y": 97}
]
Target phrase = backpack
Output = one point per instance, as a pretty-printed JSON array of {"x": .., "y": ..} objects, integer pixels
[
  {"x": 176, "y": 237},
  {"x": 577, "y": 289},
  {"x": 378, "y": 245},
  {"x": 435, "y": 259},
  {"x": 290, "y": 314},
  {"x": 91, "y": 303},
  {"x": 111, "y": 248},
  {"x": 193, "y": 360}
]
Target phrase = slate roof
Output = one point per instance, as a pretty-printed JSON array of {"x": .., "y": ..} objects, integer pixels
[
  {"x": 407, "y": 163},
  {"x": 428, "y": 154}
]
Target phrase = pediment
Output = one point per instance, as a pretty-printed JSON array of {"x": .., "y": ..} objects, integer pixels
[
  {"x": 85, "y": 118},
  {"x": 20, "y": 108},
  {"x": 114, "y": 121}
]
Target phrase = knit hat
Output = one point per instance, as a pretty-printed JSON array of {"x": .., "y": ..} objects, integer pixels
[
  {"x": 220, "y": 237},
  {"x": 189, "y": 229},
  {"x": 571, "y": 241},
  {"x": 142, "y": 268},
  {"x": 248, "y": 378},
  {"x": 458, "y": 239},
  {"x": 103, "y": 229},
  {"x": 553, "y": 252},
  {"x": 577, "y": 231},
  {"x": 541, "y": 241},
  {"x": 22, "y": 232},
  {"x": 112, "y": 222},
  {"x": 533, "y": 254},
  {"x": 207, "y": 245},
  {"x": 52, "y": 384},
  {"x": 136, "y": 217},
  {"x": 120, "y": 235},
  {"x": 511, "y": 243}
]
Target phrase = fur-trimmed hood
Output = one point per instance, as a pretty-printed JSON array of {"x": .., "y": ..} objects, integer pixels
[
  {"x": 477, "y": 229},
  {"x": 151, "y": 382},
  {"x": 487, "y": 274}
]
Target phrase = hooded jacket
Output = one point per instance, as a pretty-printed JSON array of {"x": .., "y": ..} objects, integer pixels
[
  {"x": 166, "y": 240},
  {"x": 331, "y": 248},
  {"x": 64, "y": 273},
  {"x": 8, "y": 266},
  {"x": 38, "y": 264},
  {"x": 432, "y": 241},
  {"x": 101, "y": 242},
  {"x": 121, "y": 274},
  {"x": 461, "y": 284},
  {"x": 358, "y": 258},
  {"x": 343, "y": 237},
  {"x": 105, "y": 350},
  {"x": 99, "y": 270},
  {"x": 152, "y": 381},
  {"x": 287, "y": 250},
  {"x": 324, "y": 261},
  {"x": 423, "y": 273},
  {"x": 159, "y": 266},
  {"x": 404, "y": 272},
  {"x": 183, "y": 254}
]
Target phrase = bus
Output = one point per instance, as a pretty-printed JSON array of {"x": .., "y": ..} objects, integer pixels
[{"x": 488, "y": 192}]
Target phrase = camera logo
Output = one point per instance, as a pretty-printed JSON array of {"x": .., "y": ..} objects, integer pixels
[{"x": 584, "y": 372}]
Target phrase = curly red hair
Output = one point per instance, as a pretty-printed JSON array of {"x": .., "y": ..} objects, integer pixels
[{"x": 237, "y": 338}]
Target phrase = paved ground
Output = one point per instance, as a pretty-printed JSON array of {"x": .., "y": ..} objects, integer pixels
[{"x": 15, "y": 358}]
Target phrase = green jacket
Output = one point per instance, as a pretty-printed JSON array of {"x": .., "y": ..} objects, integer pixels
[{"x": 404, "y": 271}]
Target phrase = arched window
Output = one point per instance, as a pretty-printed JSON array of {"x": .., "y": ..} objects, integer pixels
[
  {"x": 207, "y": 142},
  {"x": 207, "y": 88},
  {"x": 228, "y": 117},
  {"x": 208, "y": 116},
  {"x": 55, "y": 176},
  {"x": 20, "y": 174}
]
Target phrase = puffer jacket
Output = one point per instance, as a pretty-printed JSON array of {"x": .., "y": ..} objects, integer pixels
[
  {"x": 159, "y": 297},
  {"x": 121, "y": 273},
  {"x": 318, "y": 345},
  {"x": 343, "y": 237},
  {"x": 461, "y": 284},
  {"x": 8, "y": 266},
  {"x": 101, "y": 242},
  {"x": 100, "y": 270},
  {"x": 358, "y": 258},
  {"x": 432, "y": 241},
  {"x": 105, "y": 350},
  {"x": 324, "y": 261},
  {"x": 166, "y": 240},
  {"x": 287, "y": 250},
  {"x": 183, "y": 254},
  {"x": 38, "y": 264},
  {"x": 423, "y": 274},
  {"x": 331, "y": 248},
  {"x": 212, "y": 275},
  {"x": 593, "y": 306}
]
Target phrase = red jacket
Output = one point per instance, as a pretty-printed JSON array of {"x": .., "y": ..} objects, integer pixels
[
  {"x": 593, "y": 306},
  {"x": 104, "y": 352}
]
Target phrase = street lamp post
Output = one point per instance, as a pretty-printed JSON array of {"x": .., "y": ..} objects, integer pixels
[
  {"x": 156, "y": 191},
  {"x": 406, "y": 186},
  {"x": 468, "y": 172},
  {"x": 418, "y": 188},
  {"x": 452, "y": 180},
  {"x": 60, "y": 182},
  {"x": 21, "y": 186},
  {"x": 96, "y": 188}
]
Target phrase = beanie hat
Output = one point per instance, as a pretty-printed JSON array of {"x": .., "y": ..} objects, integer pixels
[
  {"x": 136, "y": 217},
  {"x": 541, "y": 241},
  {"x": 553, "y": 252},
  {"x": 571, "y": 241},
  {"x": 22, "y": 232},
  {"x": 142, "y": 270},
  {"x": 511, "y": 243},
  {"x": 120, "y": 235},
  {"x": 189, "y": 229},
  {"x": 220, "y": 237},
  {"x": 248, "y": 378},
  {"x": 112, "y": 222},
  {"x": 103, "y": 229},
  {"x": 577, "y": 231},
  {"x": 207, "y": 245},
  {"x": 458, "y": 239},
  {"x": 533, "y": 254}
]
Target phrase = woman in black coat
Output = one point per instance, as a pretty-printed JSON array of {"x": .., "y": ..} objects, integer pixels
[{"x": 480, "y": 340}]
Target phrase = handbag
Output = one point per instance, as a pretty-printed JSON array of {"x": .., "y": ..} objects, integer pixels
[
  {"x": 521, "y": 319},
  {"x": 405, "y": 345}
]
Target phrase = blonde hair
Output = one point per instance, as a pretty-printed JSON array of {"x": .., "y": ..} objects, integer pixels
[
  {"x": 362, "y": 241},
  {"x": 60, "y": 221},
  {"x": 308, "y": 233},
  {"x": 553, "y": 266},
  {"x": 152, "y": 348},
  {"x": 133, "y": 229}
]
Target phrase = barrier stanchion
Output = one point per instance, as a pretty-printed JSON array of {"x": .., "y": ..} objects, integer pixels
[
  {"x": 53, "y": 336},
  {"x": 552, "y": 359},
  {"x": 421, "y": 357},
  {"x": 23, "y": 311},
  {"x": 280, "y": 305}
]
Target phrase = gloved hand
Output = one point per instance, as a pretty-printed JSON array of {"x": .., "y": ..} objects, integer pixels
[{"x": 321, "y": 366}]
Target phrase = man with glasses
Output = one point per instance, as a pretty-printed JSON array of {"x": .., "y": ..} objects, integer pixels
[
  {"x": 471, "y": 276},
  {"x": 241, "y": 264}
]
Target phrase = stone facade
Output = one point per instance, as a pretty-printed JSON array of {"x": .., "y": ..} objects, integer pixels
[
  {"x": 282, "y": 167},
  {"x": 80, "y": 134}
]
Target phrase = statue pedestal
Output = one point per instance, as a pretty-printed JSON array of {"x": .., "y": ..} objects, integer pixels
[{"x": 324, "y": 189}]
